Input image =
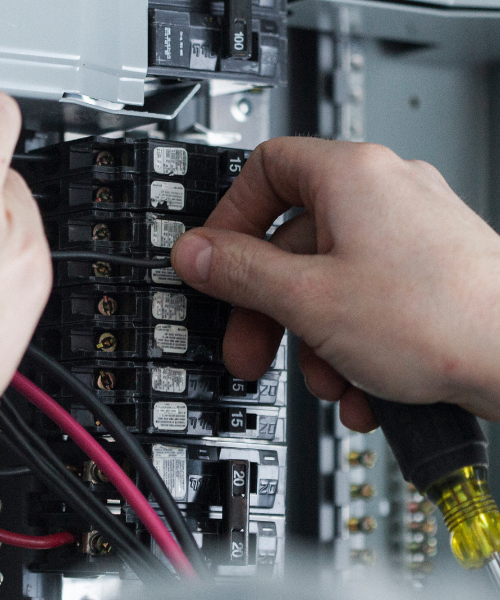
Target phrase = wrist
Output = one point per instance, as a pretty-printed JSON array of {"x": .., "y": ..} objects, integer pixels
[{"x": 475, "y": 374}]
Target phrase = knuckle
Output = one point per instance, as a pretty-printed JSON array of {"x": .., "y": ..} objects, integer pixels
[
  {"x": 431, "y": 170},
  {"x": 241, "y": 261},
  {"x": 372, "y": 156},
  {"x": 270, "y": 154}
]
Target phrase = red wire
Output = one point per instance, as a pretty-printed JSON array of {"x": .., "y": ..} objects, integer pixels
[
  {"x": 112, "y": 470},
  {"x": 36, "y": 542}
]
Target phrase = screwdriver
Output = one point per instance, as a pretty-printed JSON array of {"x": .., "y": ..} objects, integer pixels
[{"x": 442, "y": 451}]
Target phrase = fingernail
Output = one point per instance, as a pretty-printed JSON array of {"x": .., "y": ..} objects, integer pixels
[{"x": 191, "y": 258}]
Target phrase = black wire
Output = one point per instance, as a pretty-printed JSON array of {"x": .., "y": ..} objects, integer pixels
[
  {"x": 32, "y": 157},
  {"x": 41, "y": 196},
  {"x": 55, "y": 473},
  {"x": 35, "y": 452},
  {"x": 82, "y": 255},
  {"x": 14, "y": 471},
  {"x": 52, "y": 479},
  {"x": 134, "y": 451}
]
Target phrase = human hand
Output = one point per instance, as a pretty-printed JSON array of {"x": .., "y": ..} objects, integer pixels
[
  {"x": 25, "y": 266},
  {"x": 391, "y": 281}
]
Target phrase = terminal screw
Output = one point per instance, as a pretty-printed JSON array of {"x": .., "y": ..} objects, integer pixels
[
  {"x": 107, "y": 342},
  {"x": 428, "y": 547},
  {"x": 104, "y": 159},
  {"x": 425, "y": 507},
  {"x": 95, "y": 544},
  {"x": 365, "y": 491},
  {"x": 101, "y": 233},
  {"x": 362, "y": 525},
  {"x": 102, "y": 269},
  {"x": 428, "y": 526},
  {"x": 367, "y": 459},
  {"x": 91, "y": 472},
  {"x": 106, "y": 380},
  {"x": 104, "y": 194},
  {"x": 107, "y": 305}
]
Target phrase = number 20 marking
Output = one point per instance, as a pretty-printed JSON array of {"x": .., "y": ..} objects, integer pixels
[
  {"x": 237, "y": 550},
  {"x": 238, "y": 478}
]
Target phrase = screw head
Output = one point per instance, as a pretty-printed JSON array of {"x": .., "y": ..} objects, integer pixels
[{"x": 357, "y": 61}]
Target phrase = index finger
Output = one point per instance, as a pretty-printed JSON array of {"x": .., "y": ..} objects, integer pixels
[
  {"x": 281, "y": 173},
  {"x": 10, "y": 126}
]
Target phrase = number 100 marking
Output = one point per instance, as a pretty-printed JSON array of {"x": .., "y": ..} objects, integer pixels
[{"x": 239, "y": 41}]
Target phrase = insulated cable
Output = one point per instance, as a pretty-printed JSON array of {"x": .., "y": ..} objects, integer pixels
[
  {"x": 110, "y": 468},
  {"x": 108, "y": 525},
  {"x": 32, "y": 157},
  {"x": 83, "y": 255},
  {"x": 36, "y": 542},
  {"x": 14, "y": 471},
  {"x": 48, "y": 467},
  {"x": 132, "y": 448}
]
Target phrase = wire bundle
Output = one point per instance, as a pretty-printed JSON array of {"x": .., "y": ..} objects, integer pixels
[
  {"x": 185, "y": 557},
  {"x": 131, "y": 447},
  {"x": 31, "y": 449}
]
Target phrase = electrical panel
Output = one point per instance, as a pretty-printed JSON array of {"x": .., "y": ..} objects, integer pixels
[
  {"x": 136, "y": 128},
  {"x": 150, "y": 348}
]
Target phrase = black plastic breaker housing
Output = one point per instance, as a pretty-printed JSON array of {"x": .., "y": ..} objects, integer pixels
[
  {"x": 117, "y": 232},
  {"x": 261, "y": 556},
  {"x": 128, "y": 341},
  {"x": 76, "y": 272},
  {"x": 99, "y": 303},
  {"x": 194, "y": 470},
  {"x": 240, "y": 40},
  {"x": 119, "y": 381},
  {"x": 102, "y": 157},
  {"x": 128, "y": 192},
  {"x": 178, "y": 417}
]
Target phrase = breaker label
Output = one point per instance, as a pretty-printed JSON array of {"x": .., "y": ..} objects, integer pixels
[
  {"x": 165, "y": 233},
  {"x": 166, "y": 276},
  {"x": 167, "y": 192},
  {"x": 170, "y": 416},
  {"x": 171, "y": 464},
  {"x": 169, "y": 307},
  {"x": 172, "y": 339},
  {"x": 167, "y": 379},
  {"x": 171, "y": 161}
]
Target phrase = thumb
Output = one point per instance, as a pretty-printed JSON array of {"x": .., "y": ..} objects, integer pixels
[{"x": 251, "y": 273}]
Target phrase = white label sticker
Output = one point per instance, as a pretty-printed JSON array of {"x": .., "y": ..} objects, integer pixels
[
  {"x": 169, "y": 193},
  {"x": 167, "y": 379},
  {"x": 170, "y": 416},
  {"x": 171, "y": 161},
  {"x": 171, "y": 464},
  {"x": 171, "y": 338},
  {"x": 165, "y": 233},
  {"x": 166, "y": 276},
  {"x": 169, "y": 307}
]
